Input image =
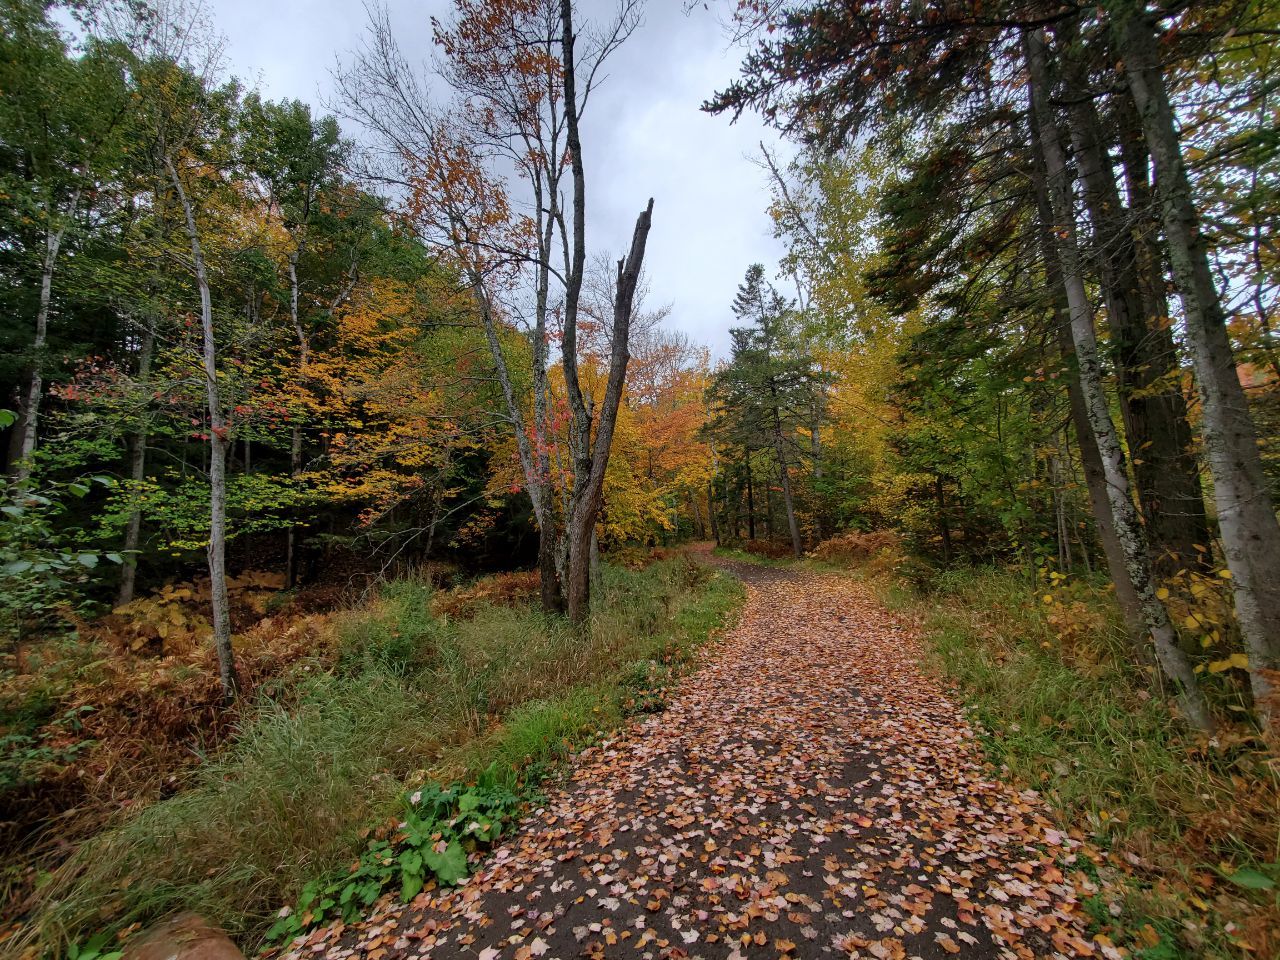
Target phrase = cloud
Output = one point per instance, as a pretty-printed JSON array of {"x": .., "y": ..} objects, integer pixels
[{"x": 644, "y": 135}]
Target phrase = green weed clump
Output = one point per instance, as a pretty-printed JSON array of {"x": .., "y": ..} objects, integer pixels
[
  {"x": 408, "y": 700},
  {"x": 407, "y": 854}
]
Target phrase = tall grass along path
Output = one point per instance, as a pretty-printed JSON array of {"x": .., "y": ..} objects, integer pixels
[{"x": 807, "y": 793}]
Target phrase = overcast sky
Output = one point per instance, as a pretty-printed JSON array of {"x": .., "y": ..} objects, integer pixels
[{"x": 644, "y": 135}]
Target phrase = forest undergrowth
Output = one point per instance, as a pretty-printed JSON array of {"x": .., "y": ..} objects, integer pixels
[{"x": 413, "y": 690}]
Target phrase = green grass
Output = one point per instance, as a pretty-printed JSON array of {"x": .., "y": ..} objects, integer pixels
[
  {"x": 1044, "y": 716},
  {"x": 1060, "y": 706},
  {"x": 410, "y": 699},
  {"x": 644, "y": 634},
  {"x": 811, "y": 564},
  {"x": 743, "y": 556}
]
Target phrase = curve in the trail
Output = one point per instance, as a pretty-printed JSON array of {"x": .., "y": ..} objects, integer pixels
[{"x": 809, "y": 792}]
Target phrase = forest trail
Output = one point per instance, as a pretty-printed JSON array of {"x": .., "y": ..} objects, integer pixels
[{"x": 807, "y": 793}]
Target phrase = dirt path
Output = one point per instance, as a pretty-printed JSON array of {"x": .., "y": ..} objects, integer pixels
[{"x": 808, "y": 793}]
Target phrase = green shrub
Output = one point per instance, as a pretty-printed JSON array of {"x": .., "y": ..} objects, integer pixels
[
  {"x": 536, "y": 734},
  {"x": 644, "y": 684},
  {"x": 399, "y": 637},
  {"x": 43, "y": 575},
  {"x": 24, "y": 757}
]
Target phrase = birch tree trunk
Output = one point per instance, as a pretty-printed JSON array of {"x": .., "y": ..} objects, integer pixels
[
  {"x": 1090, "y": 461},
  {"x": 1151, "y": 401},
  {"x": 218, "y": 442},
  {"x": 295, "y": 435},
  {"x": 1173, "y": 661},
  {"x": 1095, "y": 481},
  {"x": 1246, "y": 515},
  {"x": 711, "y": 511},
  {"x": 30, "y": 422}
]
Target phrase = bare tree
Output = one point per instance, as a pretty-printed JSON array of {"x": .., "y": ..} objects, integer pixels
[
  {"x": 519, "y": 92},
  {"x": 591, "y": 459}
]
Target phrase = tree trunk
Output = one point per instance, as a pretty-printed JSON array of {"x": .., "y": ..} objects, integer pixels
[
  {"x": 1090, "y": 461},
  {"x": 1172, "y": 659},
  {"x": 552, "y": 595},
  {"x": 587, "y": 497},
  {"x": 293, "y": 536},
  {"x": 293, "y": 539},
  {"x": 577, "y": 588},
  {"x": 1246, "y": 516},
  {"x": 137, "y": 454},
  {"x": 1151, "y": 401},
  {"x": 218, "y": 442},
  {"x": 751, "y": 500},
  {"x": 699, "y": 527},
  {"x": 711, "y": 511},
  {"x": 591, "y": 456},
  {"x": 768, "y": 512},
  {"x": 796, "y": 548},
  {"x": 815, "y": 451},
  {"x": 30, "y": 420},
  {"x": 733, "y": 509},
  {"x": 1095, "y": 481},
  {"x": 549, "y": 572},
  {"x": 1059, "y": 517},
  {"x": 779, "y": 443},
  {"x": 1144, "y": 219},
  {"x": 535, "y": 480},
  {"x": 295, "y": 435}
]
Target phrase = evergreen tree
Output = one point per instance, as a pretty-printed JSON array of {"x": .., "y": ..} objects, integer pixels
[{"x": 764, "y": 396}]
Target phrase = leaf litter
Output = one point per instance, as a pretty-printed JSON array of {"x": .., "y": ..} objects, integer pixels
[{"x": 808, "y": 792}]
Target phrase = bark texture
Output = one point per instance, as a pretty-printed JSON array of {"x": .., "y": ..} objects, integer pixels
[
  {"x": 29, "y": 423},
  {"x": 218, "y": 442},
  {"x": 1246, "y": 515},
  {"x": 1173, "y": 661},
  {"x": 137, "y": 461},
  {"x": 1090, "y": 460},
  {"x": 590, "y": 470},
  {"x": 1152, "y": 406},
  {"x": 590, "y": 454},
  {"x": 536, "y": 478},
  {"x": 295, "y": 435}
]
